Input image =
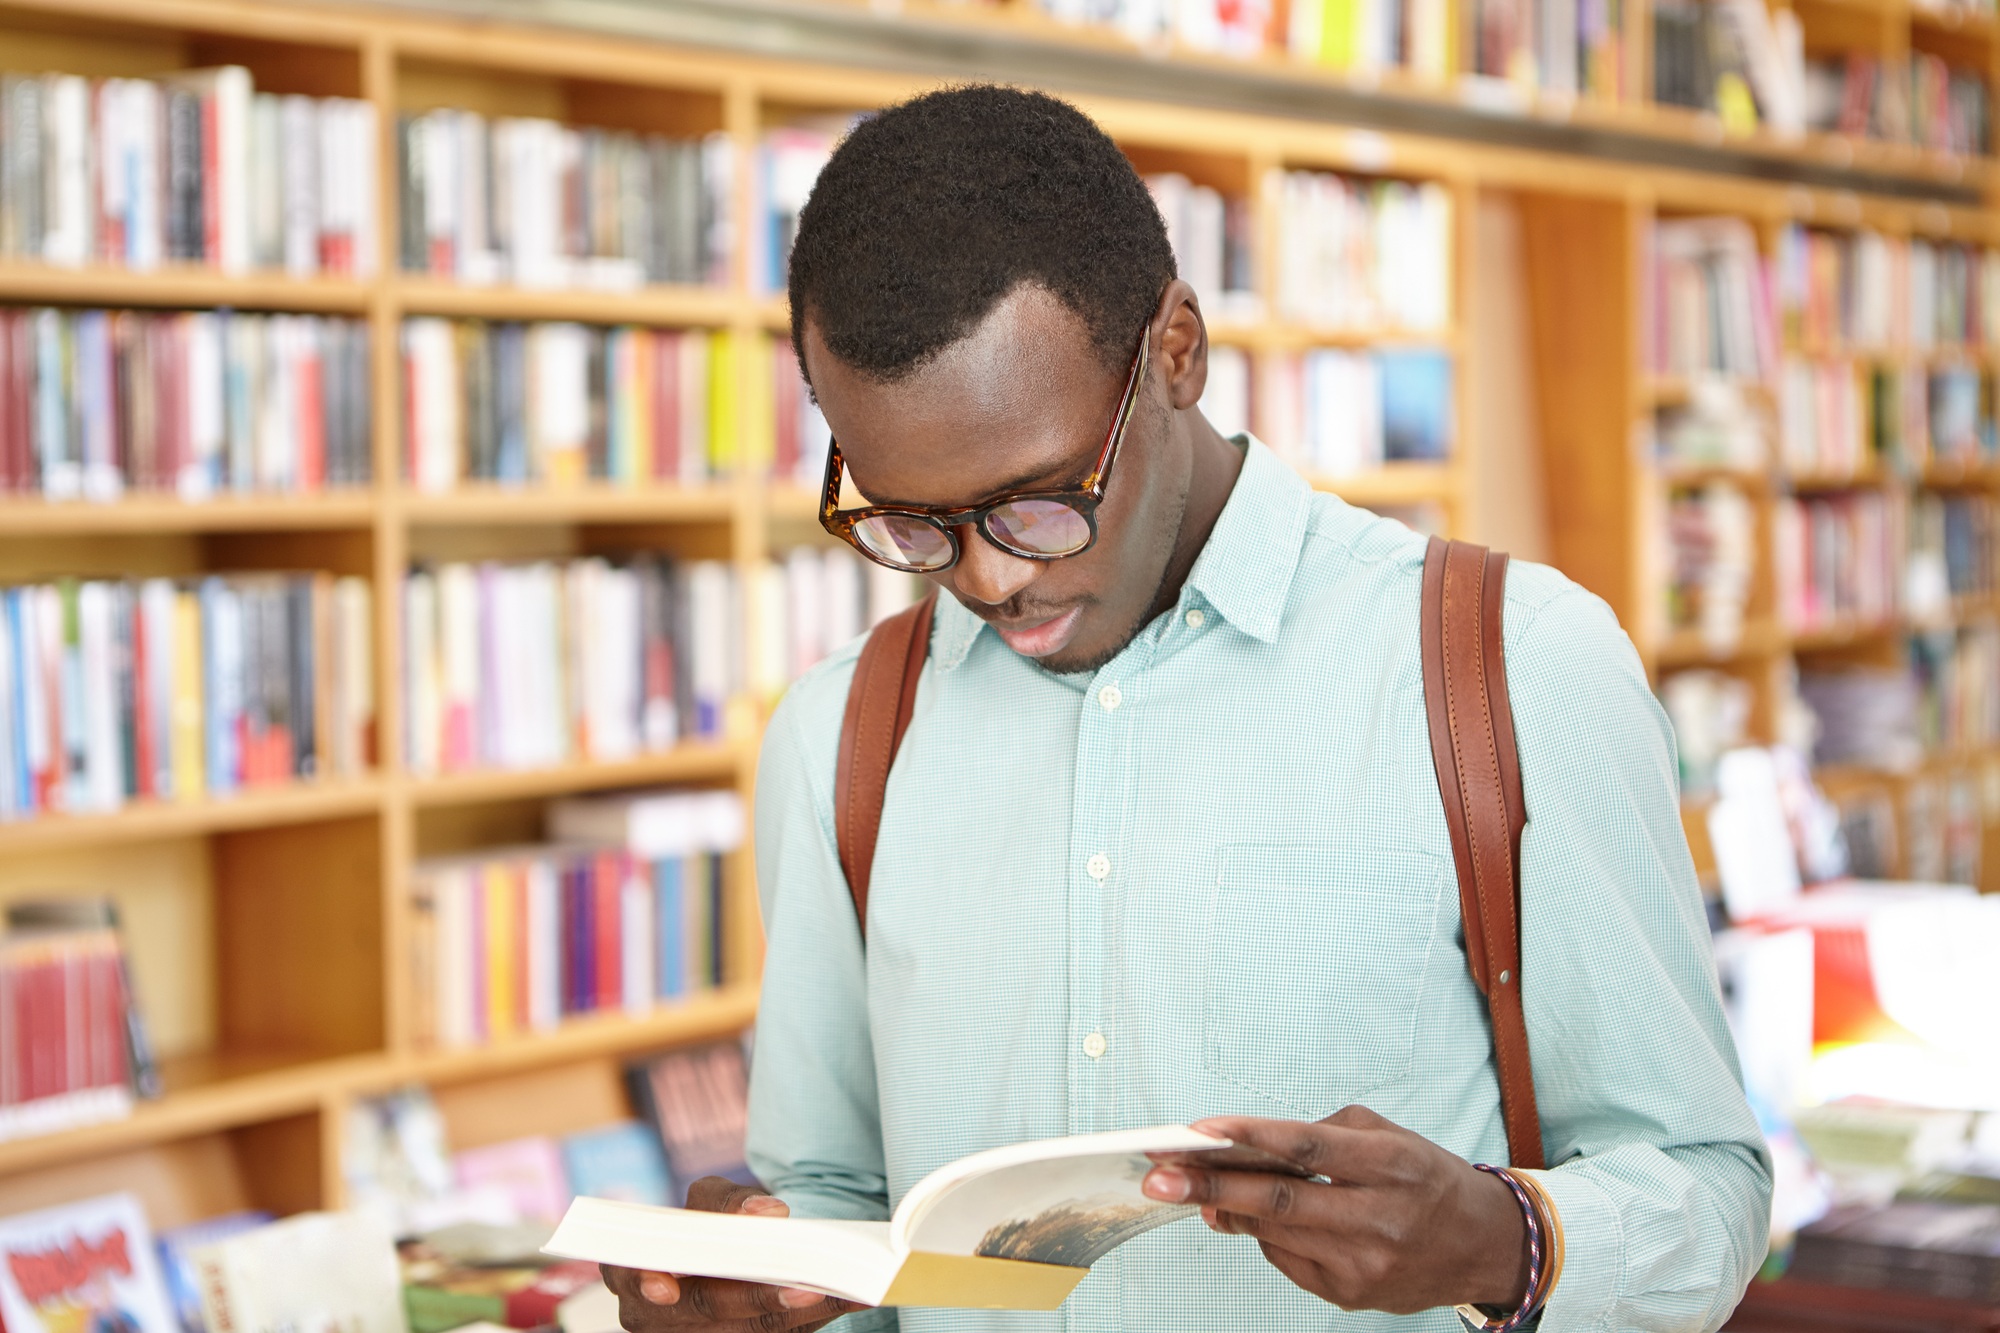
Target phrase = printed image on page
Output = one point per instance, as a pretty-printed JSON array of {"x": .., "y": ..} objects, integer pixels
[{"x": 1064, "y": 1210}]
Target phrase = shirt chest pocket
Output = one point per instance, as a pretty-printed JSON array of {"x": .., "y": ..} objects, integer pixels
[{"x": 1318, "y": 959}]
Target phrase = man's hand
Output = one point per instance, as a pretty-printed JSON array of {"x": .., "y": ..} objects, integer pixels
[
  {"x": 661, "y": 1302},
  {"x": 1404, "y": 1226}
]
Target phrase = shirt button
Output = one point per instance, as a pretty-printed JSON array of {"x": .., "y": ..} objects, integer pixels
[
  {"x": 1109, "y": 697},
  {"x": 1093, "y": 1045},
  {"x": 1099, "y": 866},
  {"x": 1195, "y": 618}
]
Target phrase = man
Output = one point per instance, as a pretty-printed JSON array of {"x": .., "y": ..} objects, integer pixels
[{"x": 1164, "y": 841}]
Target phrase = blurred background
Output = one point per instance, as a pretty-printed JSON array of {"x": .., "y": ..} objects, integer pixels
[{"x": 407, "y": 523}]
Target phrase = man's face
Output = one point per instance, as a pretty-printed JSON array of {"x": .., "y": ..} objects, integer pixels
[{"x": 1023, "y": 402}]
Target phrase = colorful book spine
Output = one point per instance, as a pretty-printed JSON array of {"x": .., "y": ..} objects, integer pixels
[
  {"x": 163, "y": 690},
  {"x": 1712, "y": 311},
  {"x": 1362, "y": 255},
  {"x": 813, "y": 601},
  {"x": 63, "y": 1052},
  {"x": 541, "y": 204},
  {"x": 96, "y": 403},
  {"x": 194, "y": 168},
  {"x": 523, "y": 666},
  {"x": 1838, "y": 560},
  {"x": 561, "y": 403},
  {"x": 517, "y": 940},
  {"x": 1338, "y": 413}
]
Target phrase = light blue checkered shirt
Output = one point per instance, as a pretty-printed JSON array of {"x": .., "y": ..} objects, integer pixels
[{"x": 1225, "y": 854}]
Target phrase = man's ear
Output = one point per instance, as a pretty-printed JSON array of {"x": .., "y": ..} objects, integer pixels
[{"x": 1183, "y": 345}]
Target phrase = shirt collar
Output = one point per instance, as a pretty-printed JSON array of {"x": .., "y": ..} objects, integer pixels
[{"x": 1244, "y": 571}]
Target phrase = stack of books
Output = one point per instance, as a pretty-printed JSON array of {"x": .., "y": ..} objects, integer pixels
[
  {"x": 540, "y": 204},
  {"x": 1963, "y": 431},
  {"x": 1368, "y": 36},
  {"x": 530, "y": 665},
  {"x": 193, "y": 168},
  {"x": 559, "y": 403},
  {"x": 1365, "y": 255},
  {"x": 95, "y": 403},
  {"x": 1711, "y": 306},
  {"x": 1712, "y": 550},
  {"x": 1565, "y": 47},
  {"x": 623, "y": 911},
  {"x": 1337, "y": 413},
  {"x": 160, "y": 689},
  {"x": 1838, "y": 560},
  {"x": 1951, "y": 290},
  {"x": 1959, "y": 678},
  {"x": 1842, "y": 292},
  {"x": 1823, "y": 425},
  {"x": 1959, "y": 533},
  {"x": 813, "y": 601},
  {"x": 73, "y": 1050},
  {"x": 1211, "y": 235},
  {"x": 1867, "y": 715},
  {"x": 788, "y": 162}
]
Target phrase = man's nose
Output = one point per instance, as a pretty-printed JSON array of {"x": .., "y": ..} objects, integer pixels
[{"x": 986, "y": 573}]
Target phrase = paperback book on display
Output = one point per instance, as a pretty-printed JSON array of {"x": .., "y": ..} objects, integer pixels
[
  {"x": 82, "y": 1266},
  {"x": 1013, "y": 1228}
]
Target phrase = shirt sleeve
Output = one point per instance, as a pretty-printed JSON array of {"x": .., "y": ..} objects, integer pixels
[
  {"x": 815, "y": 1120},
  {"x": 1657, "y": 1165}
]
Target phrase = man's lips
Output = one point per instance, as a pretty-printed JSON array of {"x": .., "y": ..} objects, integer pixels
[{"x": 1039, "y": 638}]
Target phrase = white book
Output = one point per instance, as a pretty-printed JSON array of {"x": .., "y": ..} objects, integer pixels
[
  {"x": 459, "y": 659},
  {"x": 1013, "y": 1228},
  {"x": 843, "y": 597},
  {"x": 91, "y": 1259},
  {"x": 268, "y": 162},
  {"x": 638, "y": 934},
  {"x": 145, "y": 229},
  {"x": 201, "y": 471},
  {"x": 104, "y": 768},
  {"x": 354, "y": 675},
  {"x": 13, "y": 801},
  {"x": 41, "y": 639},
  {"x": 806, "y": 634},
  {"x": 299, "y": 128},
  {"x": 451, "y": 889},
  {"x": 360, "y": 139},
  {"x": 314, "y": 1270},
  {"x": 544, "y": 944},
  {"x": 66, "y": 224},
  {"x": 156, "y": 614},
  {"x": 420, "y": 670}
]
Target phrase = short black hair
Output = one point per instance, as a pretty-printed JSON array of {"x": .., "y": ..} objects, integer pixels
[{"x": 933, "y": 211}]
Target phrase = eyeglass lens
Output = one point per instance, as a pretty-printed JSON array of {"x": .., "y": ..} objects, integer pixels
[{"x": 1027, "y": 527}]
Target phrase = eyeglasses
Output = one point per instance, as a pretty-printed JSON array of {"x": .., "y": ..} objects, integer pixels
[{"x": 1035, "y": 525}]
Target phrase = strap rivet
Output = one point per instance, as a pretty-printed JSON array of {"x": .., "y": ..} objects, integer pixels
[{"x": 1504, "y": 976}]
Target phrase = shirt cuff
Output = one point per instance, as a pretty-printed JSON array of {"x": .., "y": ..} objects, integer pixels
[{"x": 1587, "y": 1293}]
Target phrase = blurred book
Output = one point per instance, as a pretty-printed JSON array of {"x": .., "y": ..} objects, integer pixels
[
  {"x": 623, "y": 1161},
  {"x": 86, "y": 916},
  {"x": 1948, "y": 1250},
  {"x": 311, "y": 1271},
  {"x": 698, "y": 1103},
  {"x": 528, "y": 1170},
  {"x": 177, "y": 1266},
  {"x": 88, "y": 1266}
]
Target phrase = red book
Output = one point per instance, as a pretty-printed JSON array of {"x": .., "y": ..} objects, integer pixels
[
  {"x": 311, "y": 418},
  {"x": 211, "y": 180},
  {"x": 607, "y": 881},
  {"x": 785, "y": 463}
]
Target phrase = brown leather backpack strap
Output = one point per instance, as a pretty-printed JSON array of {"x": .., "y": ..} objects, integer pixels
[
  {"x": 879, "y": 704},
  {"x": 1479, "y": 777}
]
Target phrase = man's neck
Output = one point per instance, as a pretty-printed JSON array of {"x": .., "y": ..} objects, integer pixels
[{"x": 1216, "y": 463}]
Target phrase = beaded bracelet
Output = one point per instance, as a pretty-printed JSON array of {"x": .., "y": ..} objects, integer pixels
[{"x": 1531, "y": 1301}]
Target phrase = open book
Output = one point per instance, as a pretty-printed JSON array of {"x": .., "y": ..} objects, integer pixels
[{"x": 1014, "y": 1228}]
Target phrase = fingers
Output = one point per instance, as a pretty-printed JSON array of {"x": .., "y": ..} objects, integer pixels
[
  {"x": 1353, "y": 1145},
  {"x": 1283, "y": 1199},
  {"x": 721, "y": 1300},
  {"x": 718, "y": 1194}
]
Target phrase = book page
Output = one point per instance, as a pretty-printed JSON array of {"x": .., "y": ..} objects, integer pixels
[
  {"x": 851, "y": 1259},
  {"x": 1058, "y": 1201}
]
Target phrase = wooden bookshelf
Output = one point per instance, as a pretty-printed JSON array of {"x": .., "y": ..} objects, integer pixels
[{"x": 304, "y": 889}]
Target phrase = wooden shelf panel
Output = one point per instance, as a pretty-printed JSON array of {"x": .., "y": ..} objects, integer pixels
[
  {"x": 208, "y": 1094},
  {"x": 593, "y": 502},
  {"x": 697, "y": 761},
  {"x": 705, "y": 306},
  {"x": 161, "y": 513},
  {"x": 261, "y": 807},
  {"x": 182, "y": 286},
  {"x": 713, "y": 1014},
  {"x": 1393, "y": 484}
]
